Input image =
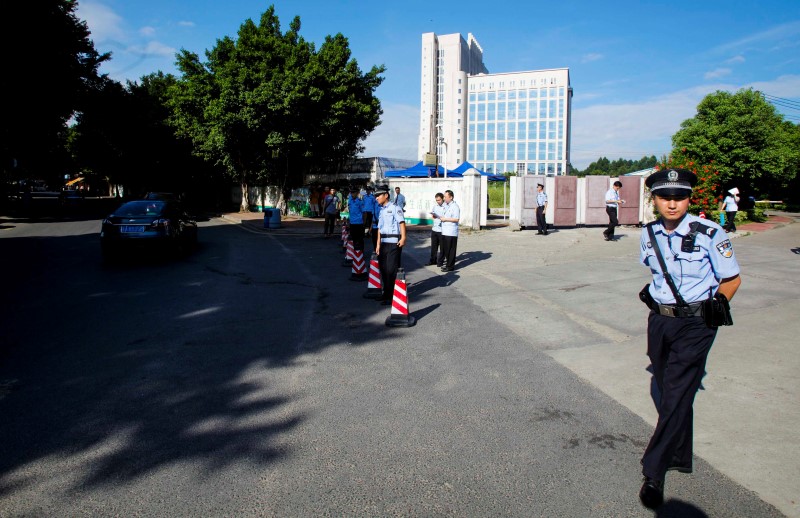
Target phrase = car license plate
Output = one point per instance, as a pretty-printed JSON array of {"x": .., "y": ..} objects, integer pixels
[{"x": 131, "y": 229}]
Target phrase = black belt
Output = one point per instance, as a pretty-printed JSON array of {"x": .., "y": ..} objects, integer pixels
[{"x": 671, "y": 310}]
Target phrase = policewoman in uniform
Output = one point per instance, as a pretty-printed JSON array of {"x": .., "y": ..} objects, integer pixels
[
  {"x": 541, "y": 207},
  {"x": 391, "y": 239},
  {"x": 693, "y": 280}
]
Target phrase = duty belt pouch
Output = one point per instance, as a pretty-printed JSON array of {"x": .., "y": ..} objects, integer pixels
[
  {"x": 717, "y": 311},
  {"x": 645, "y": 297}
]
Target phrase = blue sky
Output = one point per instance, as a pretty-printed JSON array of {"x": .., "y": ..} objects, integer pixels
[{"x": 637, "y": 68}]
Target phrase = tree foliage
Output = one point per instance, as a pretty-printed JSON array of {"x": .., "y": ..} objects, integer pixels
[
  {"x": 604, "y": 167},
  {"x": 45, "y": 86},
  {"x": 745, "y": 138},
  {"x": 268, "y": 106}
]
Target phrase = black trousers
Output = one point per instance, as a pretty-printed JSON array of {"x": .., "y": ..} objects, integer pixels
[
  {"x": 330, "y": 222},
  {"x": 541, "y": 224},
  {"x": 389, "y": 262},
  {"x": 678, "y": 349},
  {"x": 612, "y": 222},
  {"x": 374, "y": 236},
  {"x": 357, "y": 235},
  {"x": 367, "y": 220},
  {"x": 436, "y": 248},
  {"x": 730, "y": 221},
  {"x": 449, "y": 245}
]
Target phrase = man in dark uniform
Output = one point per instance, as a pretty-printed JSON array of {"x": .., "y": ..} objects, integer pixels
[
  {"x": 686, "y": 303},
  {"x": 390, "y": 242}
]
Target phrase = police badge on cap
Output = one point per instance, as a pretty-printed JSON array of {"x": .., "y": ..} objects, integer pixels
[
  {"x": 671, "y": 182},
  {"x": 381, "y": 189}
]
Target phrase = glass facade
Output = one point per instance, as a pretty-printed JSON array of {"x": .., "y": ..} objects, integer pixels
[{"x": 517, "y": 125}]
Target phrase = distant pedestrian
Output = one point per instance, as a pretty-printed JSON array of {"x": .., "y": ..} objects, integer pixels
[
  {"x": 330, "y": 208},
  {"x": 437, "y": 255},
  {"x": 399, "y": 199},
  {"x": 695, "y": 274},
  {"x": 355, "y": 207},
  {"x": 450, "y": 218},
  {"x": 731, "y": 206},
  {"x": 369, "y": 209},
  {"x": 613, "y": 202},
  {"x": 541, "y": 208},
  {"x": 313, "y": 201},
  {"x": 391, "y": 239}
]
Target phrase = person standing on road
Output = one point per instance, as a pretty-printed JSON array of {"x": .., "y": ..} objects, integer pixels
[
  {"x": 399, "y": 199},
  {"x": 355, "y": 206},
  {"x": 541, "y": 207},
  {"x": 612, "y": 209},
  {"x": 731, "y": 206},
  {"x": 369, "y": 209},
  {"x": 391, "y": 239},
  {"x": 330, "y": 208},
  {"x": 695, "y": 274},
  {"x": 437, "y": 257},
  {"x": 450, "y": 218}
]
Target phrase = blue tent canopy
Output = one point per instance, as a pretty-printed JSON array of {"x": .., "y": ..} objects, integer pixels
[
  {"x": 416, "y": 171},
  {"x": 464, "y": 166}
]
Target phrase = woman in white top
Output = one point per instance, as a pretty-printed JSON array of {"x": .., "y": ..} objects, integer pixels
[{"x": 731, "y": 205}]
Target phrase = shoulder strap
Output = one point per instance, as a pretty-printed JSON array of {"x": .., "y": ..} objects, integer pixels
[{"x": 667, "y": 277}]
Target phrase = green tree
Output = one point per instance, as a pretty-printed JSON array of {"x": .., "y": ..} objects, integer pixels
[
  {"x": 44, "y": 86},
  {"x": 746, "y": 140},
  {"x": 267, "y": 104}
]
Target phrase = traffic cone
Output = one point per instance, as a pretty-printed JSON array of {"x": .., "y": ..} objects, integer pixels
[
  {"x": 374, "y": 279},
  {"x": 348, "y": 254},
  {"x": 359, "y": 270},
  {"x": 345, "y": 233},
  {"x": 399, "y": 316}
]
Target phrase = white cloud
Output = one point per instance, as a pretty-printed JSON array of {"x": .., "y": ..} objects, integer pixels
[
  {"x": 645, "y": 128},
  {"x": 147, "y": 32},
  {"x": 397, "y": 135},
  {"x": 153, "y": 48},
  {"x": 104, "y": 23},
  {"x": 736, "y": 59},
  {"x": 780, "y": 32},
  {"x": 593, "y": 56},
  {"x": 717, "y": 73},
  {"x": 185, "y": 23}
]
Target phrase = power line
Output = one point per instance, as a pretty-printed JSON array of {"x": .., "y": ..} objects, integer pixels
[{"x": 781, "y": 99}]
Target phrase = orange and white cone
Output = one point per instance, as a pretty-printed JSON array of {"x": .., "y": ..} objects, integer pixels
[
  {"x": 359, "y": 270},
  {"x": 399, "y": 316},
  {"x": 345, "y": 234},
  {"x": 348, "y": 254},
  {"x": 374, "y": 279}
]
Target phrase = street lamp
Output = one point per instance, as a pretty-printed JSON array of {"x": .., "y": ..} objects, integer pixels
[{"x": 444, "y": 155}]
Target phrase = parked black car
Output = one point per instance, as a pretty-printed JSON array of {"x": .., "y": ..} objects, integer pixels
[{"x": 159, "y": 225}]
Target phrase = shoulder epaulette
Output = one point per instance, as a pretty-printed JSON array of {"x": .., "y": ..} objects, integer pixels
[{"x": 700, "y": 228}]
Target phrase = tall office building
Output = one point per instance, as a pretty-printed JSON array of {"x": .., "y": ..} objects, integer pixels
[{"x": 510, "y": 122}]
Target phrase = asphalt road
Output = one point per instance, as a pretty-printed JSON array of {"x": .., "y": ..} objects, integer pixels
[{"x": 252, "y": 379}]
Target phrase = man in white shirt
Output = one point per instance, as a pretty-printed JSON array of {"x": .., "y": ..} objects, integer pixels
[
  {"x": 612, "y": 209},
  {"x": 452, "y": 213}
]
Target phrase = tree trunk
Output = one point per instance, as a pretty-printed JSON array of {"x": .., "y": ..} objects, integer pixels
[{"x": 245, "y": 205}]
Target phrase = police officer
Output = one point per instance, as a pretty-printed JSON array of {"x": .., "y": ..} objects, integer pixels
[
  {"x": 391, "y": 237},
  {"x": 541, "y": 207},
  {"x": 369, "y": 209},
  {"x": 437, "y": 252},
  {"x": 613, "y": 202},
  {"x": 703, "y": 277},
  {"x": 450, "y": 218},
  {"x": 356, "y": 206}
]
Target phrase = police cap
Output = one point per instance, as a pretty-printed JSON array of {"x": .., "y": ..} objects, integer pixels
[
  {"x": 672, "y": 182},
  {"x": 381, "y": 189}
]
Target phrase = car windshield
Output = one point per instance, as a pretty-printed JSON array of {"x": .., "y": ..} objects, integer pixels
[{"x": 140, "y": 208}]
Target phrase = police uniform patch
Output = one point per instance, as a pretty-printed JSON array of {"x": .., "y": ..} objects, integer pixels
[{"x": 725, "y": 248}]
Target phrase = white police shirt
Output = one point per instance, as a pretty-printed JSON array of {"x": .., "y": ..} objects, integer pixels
[
  {"x": 694, "y": 273},
  {"x": 611, "y": 194},
  {"x": 389, "y": 221},
  {"x": 541, "y": 199},
  {"x": 452, "y": 210},
  {"x": 437, "y": 222}
]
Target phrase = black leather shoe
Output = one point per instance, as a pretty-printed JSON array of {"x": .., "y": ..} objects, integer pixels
[{"x": 652, "y": 493}]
